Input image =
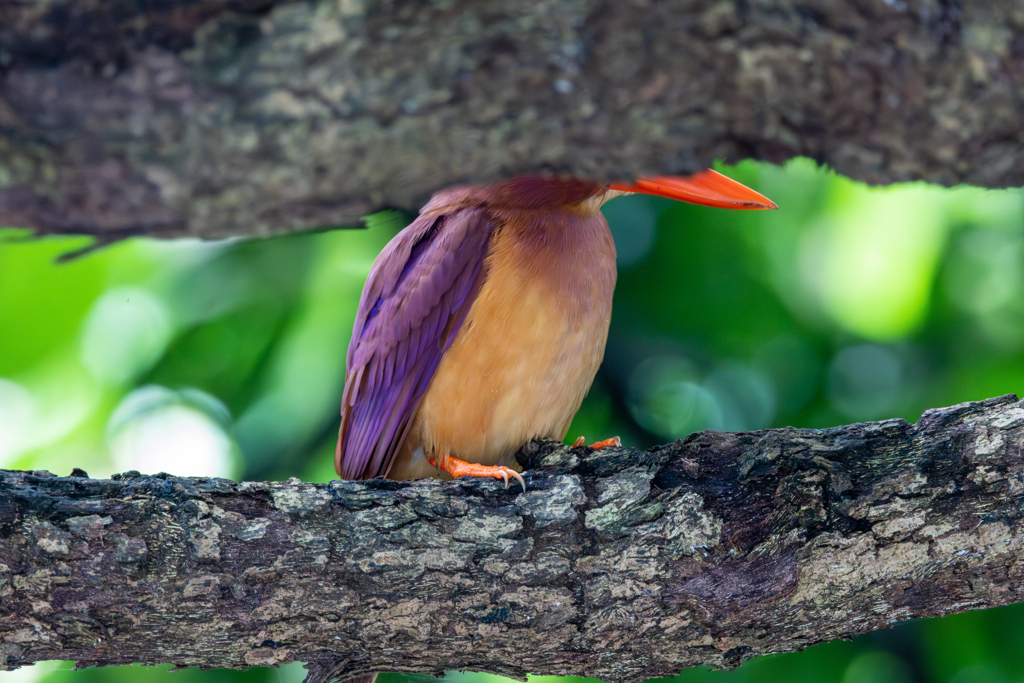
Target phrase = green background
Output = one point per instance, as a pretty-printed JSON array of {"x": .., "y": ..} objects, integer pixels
[{"x": 846, "y": 304}]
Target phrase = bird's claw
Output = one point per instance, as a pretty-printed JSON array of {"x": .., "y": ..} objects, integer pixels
[
  {"x": 508, "y": 474},
  {"x": 614, "y": 441},
  {"x": 460, "y": 468}
]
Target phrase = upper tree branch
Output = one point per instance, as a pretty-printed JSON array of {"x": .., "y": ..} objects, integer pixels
[
  {"x": 243, "y": 117},
  {"x": 619, "y": 564}
]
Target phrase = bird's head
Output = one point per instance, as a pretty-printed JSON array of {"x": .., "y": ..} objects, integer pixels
[{"x": 708, "y": 188}]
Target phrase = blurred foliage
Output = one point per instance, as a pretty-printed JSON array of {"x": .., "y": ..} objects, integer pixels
[{"x": 227, "y": 359}]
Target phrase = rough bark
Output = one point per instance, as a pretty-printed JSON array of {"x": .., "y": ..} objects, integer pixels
[
  {"x": 249, "y": 117},
  {"x": 619, "y": 564}
]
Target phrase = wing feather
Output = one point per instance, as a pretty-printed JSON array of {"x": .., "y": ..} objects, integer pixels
[{"x": 416, "y": 297}]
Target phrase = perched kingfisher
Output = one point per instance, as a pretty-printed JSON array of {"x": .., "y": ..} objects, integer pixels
[{"x": 482, "y": 324}]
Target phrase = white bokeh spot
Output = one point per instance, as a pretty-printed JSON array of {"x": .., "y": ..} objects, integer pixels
[
  {"x": 153, "y": 430},
  {"x": 18, "y": 413},
  {"x": 126, "y": 332}
]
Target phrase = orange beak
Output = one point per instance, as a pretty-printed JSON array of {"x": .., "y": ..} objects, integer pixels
[{"x": 707, "y": 188}]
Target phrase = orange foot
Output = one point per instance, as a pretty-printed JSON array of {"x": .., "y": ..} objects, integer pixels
[
  {"x": 614, "y": 441},
  {"x": 461, "y": 468}
]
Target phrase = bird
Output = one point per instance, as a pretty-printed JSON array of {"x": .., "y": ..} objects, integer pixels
[{"x": 482, "y": 324}]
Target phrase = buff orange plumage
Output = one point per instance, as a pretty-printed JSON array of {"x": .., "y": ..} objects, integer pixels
[{"x": 482, "y": 324}]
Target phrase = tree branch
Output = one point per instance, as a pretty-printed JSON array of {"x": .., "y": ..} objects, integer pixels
[
  {"x": 249, "y": 117},
  {"x": 619, "y": 564}
]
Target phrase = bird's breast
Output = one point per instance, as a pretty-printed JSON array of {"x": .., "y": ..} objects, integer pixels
[{"x": 529, "y": 348}]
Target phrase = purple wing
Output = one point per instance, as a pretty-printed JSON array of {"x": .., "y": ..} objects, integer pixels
[{"x": 414, "y": 302}]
